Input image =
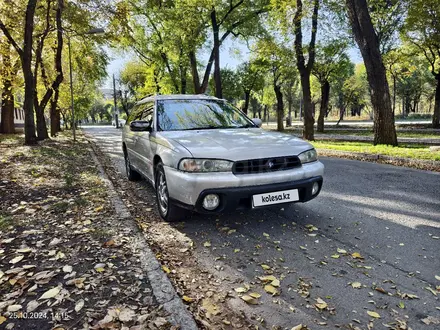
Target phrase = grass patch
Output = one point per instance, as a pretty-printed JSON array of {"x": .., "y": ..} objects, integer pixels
[
  {"x": 403, "y": 151},
  {"x": 5, "y": 222},
  {"x": 420, "y": 135}
]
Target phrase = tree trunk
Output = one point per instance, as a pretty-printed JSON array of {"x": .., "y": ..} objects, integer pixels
[
  {"x": 195, "y": 72},
  {"x": 303, "y": 68},
  {"x": 7, "y": 120},
  {"x": 217, "y": 74},
  {"x": 29, "y": 123},
  {"x": 265, "y": 115},
  {"x": 247, "y": 96},
  {"x": 436, "y": 115},
  {"x": 367, "y": 40},
  {"x": 325, "y": 94},
  {"x": 7, "y": 102},
  {"x": 394, "y": 95},
  {"x": 280, "y": 107},
  {"x": 55, "y": 119}
]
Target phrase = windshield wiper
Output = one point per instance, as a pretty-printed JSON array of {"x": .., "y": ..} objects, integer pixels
[
  {"x": 200, "y": 128},
  {"x": 245, "y": 126}
]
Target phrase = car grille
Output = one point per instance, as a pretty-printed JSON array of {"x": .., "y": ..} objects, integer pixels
[{"x": 252, "y": 166}]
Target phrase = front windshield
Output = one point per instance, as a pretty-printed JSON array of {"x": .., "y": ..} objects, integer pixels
[{"x": 174, "y": 115}]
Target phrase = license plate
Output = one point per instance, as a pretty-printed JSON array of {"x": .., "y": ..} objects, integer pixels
[{"x": 276, "y": 197}]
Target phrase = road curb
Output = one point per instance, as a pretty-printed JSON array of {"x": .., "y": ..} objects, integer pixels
[
  {"x": 430, "y": 165},
  {"x": 163, "y": 290}
]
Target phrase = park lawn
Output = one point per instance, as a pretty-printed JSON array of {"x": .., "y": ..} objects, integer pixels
[
  {"x": 416, "y": 134},
  {"x": 403, "y": 151}
]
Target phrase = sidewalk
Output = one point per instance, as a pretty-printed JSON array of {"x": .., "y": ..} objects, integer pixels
[{"x": 67, "y": 260}]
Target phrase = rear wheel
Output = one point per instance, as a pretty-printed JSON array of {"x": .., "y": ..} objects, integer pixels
[
  {"x": 132, "y": 175},
  {"x": 167, "y": 210}
]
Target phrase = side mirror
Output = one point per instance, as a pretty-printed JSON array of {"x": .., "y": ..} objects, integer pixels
[
  {"x": 140, "y": 126},
  {"x": 257, "y": 121}
]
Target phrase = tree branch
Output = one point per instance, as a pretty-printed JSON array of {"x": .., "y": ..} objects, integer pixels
[{"x": 11, "y": 40}]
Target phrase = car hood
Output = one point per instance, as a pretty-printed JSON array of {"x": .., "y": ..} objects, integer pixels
[{"x": 238, "y": 144}]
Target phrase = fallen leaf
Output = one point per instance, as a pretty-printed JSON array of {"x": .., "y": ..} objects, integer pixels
[
  {"x": 373, "y": 314},
  {"x": 321, "y": 304},
  {"x": 2, "y": 319},
  {"x": 50, "y": 293},
  {"x": 266, "y": 235},
  {"x": 250, "y": 300},
  {"x": 255, "y": 295},
  {"x": 207, "y": 244},
  {"x": 187, "y": 299},
  {"x": 166, "y": 269},
  {"x": 265, "y": 267},
  {"x": 431, "y": 290},
  {"x": 401, "y": 305},
  {"x": 13, "y": 308},
  {"x": 79, "y": 305},
  {"x": 236, "y": 250},
  {"x": 381, "y": 290},
  {"x": 270, "y": 289},
  {"x": 342, "y": 251},
  {"x": 268, "y": 278},
  {"x": 335, "y": 256},
  {"x": 357, "y": 255},
  {"x": 298, "y": 327},
  {"x": 241, "y": 290},
  {"x": 437, "y": 277},
  {"x": 67, "y": 269},
  {"x": 24, "y": 250},
  {"x": 32, "y": 305},
  {"x": 431, "y": 320},
  {"x": 126, "y": 315},
  {"x": 99, "y": 208},
  {"x": 231, "y": 231},
  {"x": 356, "y": 285},
  {"x": 275, "y": 282},
  {"x": 16, "y": 259}
]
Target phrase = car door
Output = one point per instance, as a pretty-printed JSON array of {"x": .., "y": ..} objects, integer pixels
[
  {"x": 143, "y": 147},
  {"x": 130, "y": 137}
]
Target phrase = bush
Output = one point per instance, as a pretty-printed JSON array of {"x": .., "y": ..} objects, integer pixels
[{"x": 414, "y": 115}]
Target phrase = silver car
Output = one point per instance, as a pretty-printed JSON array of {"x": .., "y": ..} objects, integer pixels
[{"x": 202, "y": 154}]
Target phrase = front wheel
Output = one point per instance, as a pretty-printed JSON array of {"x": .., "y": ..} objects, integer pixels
[{"x": 167, "y": 210}]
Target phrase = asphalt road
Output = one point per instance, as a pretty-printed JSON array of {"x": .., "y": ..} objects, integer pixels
[{"x": 389, "y": 215}]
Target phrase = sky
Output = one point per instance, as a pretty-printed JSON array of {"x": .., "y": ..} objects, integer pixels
[{"x": 232, "y": 54}]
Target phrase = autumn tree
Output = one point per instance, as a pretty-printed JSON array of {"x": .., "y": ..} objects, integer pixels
[
  {"x": 422, "y": 28},
  {"x": 331, "y": 60},
  {"x": 24, "y": 49},
  {"x": 368, "y": 42}
]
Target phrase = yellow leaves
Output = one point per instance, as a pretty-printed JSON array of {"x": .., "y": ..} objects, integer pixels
[
  {"x": 265, "y": 267},
  {"x": 255, "y": 295},
  {"x": 166, "y": 269},
  {"x": 187, "y": 299},
  {"x": 356, "y": 285},
  {"x": 357, "y": 255},
  {"x": 311, "y": 228},
  {"x": 335, "y": 256},
  {"x": 241, "y": 290},
  {"x": 437, "y": 277},
  {"x": 231, "y": 231},
  {"x": 266, "y": 235},
  {"x": 321, "y": 304},
  {"x": 431, "y": 290},
  {"x": 24, "y": 250},
  {"x": 2, "y": 319},
  {"x": 50, "y": 293},
  {"x": 302, "y": 247},
  {"x": 275, "y": 282},
  {"x": 236, "y": 250},
  {"x": 270, "y": 289},
  {"x": 207, "y": 244},
  {"x": 401, "y": 305},
  {"x": 373, "y": 314},
  {"x": 268, "y": 278},
  {"x": 299, "y": 327},
  {"x": 16, "y": 259},
  {"x": 99, "y": 268},
  {"x": 249, "y": 300},
  {"x": 99, "y": 208},
  {"x": 342, "y": 251}
]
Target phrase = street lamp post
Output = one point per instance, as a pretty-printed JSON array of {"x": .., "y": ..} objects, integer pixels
[{"x": 92, "y": 31}]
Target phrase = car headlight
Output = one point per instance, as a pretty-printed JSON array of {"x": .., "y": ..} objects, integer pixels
[
  {"x": 205, "y": 165},
  {"x": 308, "y": 156}
]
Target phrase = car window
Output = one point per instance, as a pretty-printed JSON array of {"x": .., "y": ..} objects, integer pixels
[
  {"x": 199, "y": 114},
  {"x": 142, "y": 111}
]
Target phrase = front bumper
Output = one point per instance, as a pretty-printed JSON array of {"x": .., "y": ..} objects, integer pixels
[{"x": 188, "y": 189}]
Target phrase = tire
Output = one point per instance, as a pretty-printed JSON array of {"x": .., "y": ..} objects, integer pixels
[
  {"x": 167, "y": 210},
  {"x": 132, "y": 175}
]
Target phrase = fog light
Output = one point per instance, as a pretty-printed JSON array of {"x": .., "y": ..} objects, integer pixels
[
  {"x": 315, "y": 188},
  {"x": 210, "y": 202}
]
